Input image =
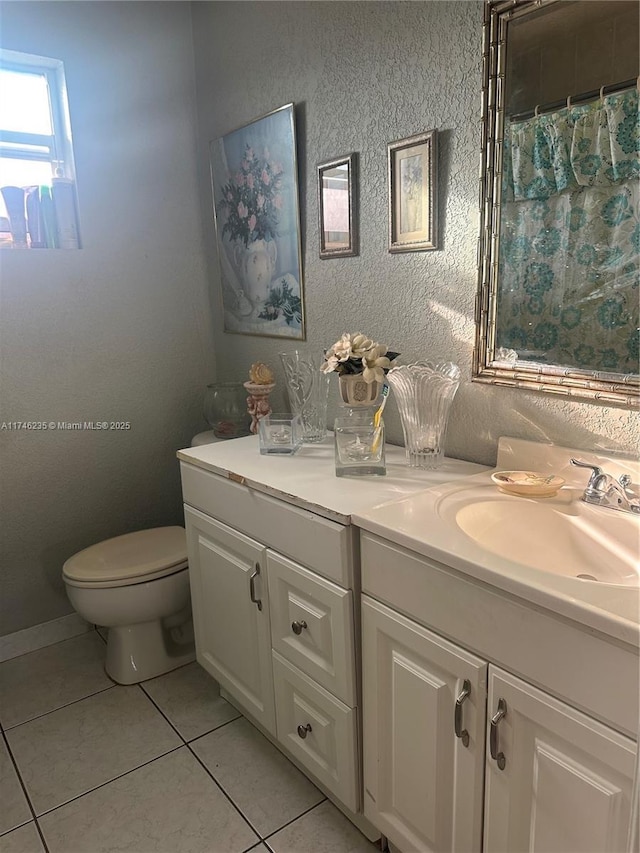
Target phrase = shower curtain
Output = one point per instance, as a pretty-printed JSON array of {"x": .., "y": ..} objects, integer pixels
[{"x": 570, "y": 236}]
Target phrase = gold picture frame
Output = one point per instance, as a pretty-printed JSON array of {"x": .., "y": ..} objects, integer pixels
[{"x": 411, "y": 165}]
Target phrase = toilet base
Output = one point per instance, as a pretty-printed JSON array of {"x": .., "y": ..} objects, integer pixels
[{"x": 139, "y": 652}]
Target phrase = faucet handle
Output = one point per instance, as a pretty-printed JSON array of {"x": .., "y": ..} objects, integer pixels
[
  {"x": 597, "y": 475},
  {"x": 597, "y": 471}
]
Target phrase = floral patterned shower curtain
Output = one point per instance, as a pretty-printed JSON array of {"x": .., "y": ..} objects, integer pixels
[{"x": 570, "y": 236}]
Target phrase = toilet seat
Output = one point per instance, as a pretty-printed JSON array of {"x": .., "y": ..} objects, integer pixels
[{"x": 129, "y": 559}]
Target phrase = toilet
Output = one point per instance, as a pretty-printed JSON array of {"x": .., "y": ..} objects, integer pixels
[{"x": 137, "y": 586}]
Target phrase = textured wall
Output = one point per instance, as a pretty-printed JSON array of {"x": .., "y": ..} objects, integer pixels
[
  {"x": 361, "y": 75},
  {"x": 119, "y": 330}
]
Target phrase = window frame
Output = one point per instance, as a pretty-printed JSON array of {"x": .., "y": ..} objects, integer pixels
[{"x": 58, "y": 144}]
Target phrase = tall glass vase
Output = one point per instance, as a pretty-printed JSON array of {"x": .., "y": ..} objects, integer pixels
[
  {"x": 308, "y": 390},
  {"x": 424, "y": 393}
]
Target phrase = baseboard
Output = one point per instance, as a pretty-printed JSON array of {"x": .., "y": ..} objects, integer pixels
[{"x": 39, "y": 636}]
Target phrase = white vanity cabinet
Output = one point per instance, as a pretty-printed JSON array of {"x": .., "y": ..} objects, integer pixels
[
  {"x": 424, "y": 727},
  {"x": 279, "y": 637},
  {"x": 549, "y": 763},
  {"x": 275, "y": 586}
]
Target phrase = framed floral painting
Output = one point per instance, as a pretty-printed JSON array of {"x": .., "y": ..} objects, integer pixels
[
  {"x": 255, "y": 198},
  {"x": 411, "y": 166}
]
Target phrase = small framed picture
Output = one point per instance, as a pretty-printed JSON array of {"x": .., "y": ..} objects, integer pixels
[
  {"x": 338, "y": 207},
  {"x": 413, "y": 225}
]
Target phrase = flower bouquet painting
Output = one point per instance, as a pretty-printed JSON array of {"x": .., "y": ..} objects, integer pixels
[{"x": 255, "y": 194}]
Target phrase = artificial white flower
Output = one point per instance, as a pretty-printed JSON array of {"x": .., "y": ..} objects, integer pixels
[
  {"x": 342, "y": 348},
  {"x": 360, "y": 345},
  {"x": 357, "y": 354},
  {"x": 330, "y": 364},
  {"x": 375, "y": 363}
]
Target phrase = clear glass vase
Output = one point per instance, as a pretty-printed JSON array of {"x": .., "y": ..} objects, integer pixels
[
  {"x": 308, "y": 390},
  {"x": 424, "y": 393},
  {"x": 225, "y": 409}
]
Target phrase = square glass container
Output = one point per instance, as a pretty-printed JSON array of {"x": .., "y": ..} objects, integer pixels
[
  {"x": 280, "y": 434},
  {"x": 359, "y": 445}
]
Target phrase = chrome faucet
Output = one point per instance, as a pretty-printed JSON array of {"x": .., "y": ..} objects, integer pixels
[{"x": 604, "y": 490}]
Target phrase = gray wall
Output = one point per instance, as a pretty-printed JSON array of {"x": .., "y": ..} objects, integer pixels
[
  {"x": 364, "y": 74},
  {"x": 123, "y": 329},
  {"x": 119, "y": 330}
]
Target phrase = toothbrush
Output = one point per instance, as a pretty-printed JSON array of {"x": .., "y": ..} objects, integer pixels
[{"x": 378, "y": 417}]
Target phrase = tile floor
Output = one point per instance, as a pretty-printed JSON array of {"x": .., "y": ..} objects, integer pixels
[{"x": 88, "y": 766}]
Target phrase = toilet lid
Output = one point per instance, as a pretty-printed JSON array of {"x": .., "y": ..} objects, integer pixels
[{"x": 134, "y": 555}]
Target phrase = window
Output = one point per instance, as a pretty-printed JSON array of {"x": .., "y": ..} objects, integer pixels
[{"x": 37, "y": 182}]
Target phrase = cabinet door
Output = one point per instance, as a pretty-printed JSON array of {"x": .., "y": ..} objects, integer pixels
[
  {"x": 422, "y": 784},
  {"x": 566, "y": 783},
  {"x": 233, "y": 640}
]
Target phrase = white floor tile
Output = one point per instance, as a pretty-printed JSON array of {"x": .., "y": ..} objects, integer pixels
[
  {"x": 23, "y": 840},
  {"x": 191, "y": 699},
  {"x": 265, "y": 785},
  {"x": 49, "y": 678},
  {"x": 169, "y": 806},
  {"x": 322, "y": 830},
  {"x": 14, "y": 809},
  {"x": 71, "y": 750}
]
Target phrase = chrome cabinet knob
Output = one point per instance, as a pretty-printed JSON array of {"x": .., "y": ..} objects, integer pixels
[
  {"x": 298, "y": 625},
  {"x": 302, "y": 730}
]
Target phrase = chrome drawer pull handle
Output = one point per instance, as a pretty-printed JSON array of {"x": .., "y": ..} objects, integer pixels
[
  {"x": 463, "y": 734},
  {"x": 252, "y": 587},
  {"x": 298, "y": 625},
  {"x": 302, "y": 730},
  {"x": 498, "y": 757}
]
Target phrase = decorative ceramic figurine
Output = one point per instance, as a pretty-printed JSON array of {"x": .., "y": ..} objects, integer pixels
[{"x": 259, "y": 386}]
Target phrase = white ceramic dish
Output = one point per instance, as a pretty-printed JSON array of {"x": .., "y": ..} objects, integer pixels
[{"x": 530, "y": 484}]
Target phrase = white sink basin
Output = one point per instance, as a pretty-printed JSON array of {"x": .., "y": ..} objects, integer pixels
[{"x": 561, "y": 535}]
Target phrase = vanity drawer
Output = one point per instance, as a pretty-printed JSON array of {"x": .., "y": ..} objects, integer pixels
[
  {"x": 324, "y": 545},
  {"x": 312, "y": 625},
  {"x": 318, "y": 730}
]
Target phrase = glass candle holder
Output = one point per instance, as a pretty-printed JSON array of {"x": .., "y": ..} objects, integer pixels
[
  {"x": 359, "y": 444},
  {"x": 280, "y": 434}
]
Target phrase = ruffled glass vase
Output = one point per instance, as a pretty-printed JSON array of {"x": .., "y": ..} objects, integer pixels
[{"x": 424, "y": 393}]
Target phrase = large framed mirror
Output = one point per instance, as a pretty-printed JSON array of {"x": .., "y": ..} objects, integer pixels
[
  {"x": 558, "y": 301},
  {"x": 338, "y": 207}
]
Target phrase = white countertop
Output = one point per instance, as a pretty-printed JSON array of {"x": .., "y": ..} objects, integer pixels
[
  {"x": 308, "y": 479},
  {"x": 402, "y": 508},
  {"x": 414, "y": 522}
]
